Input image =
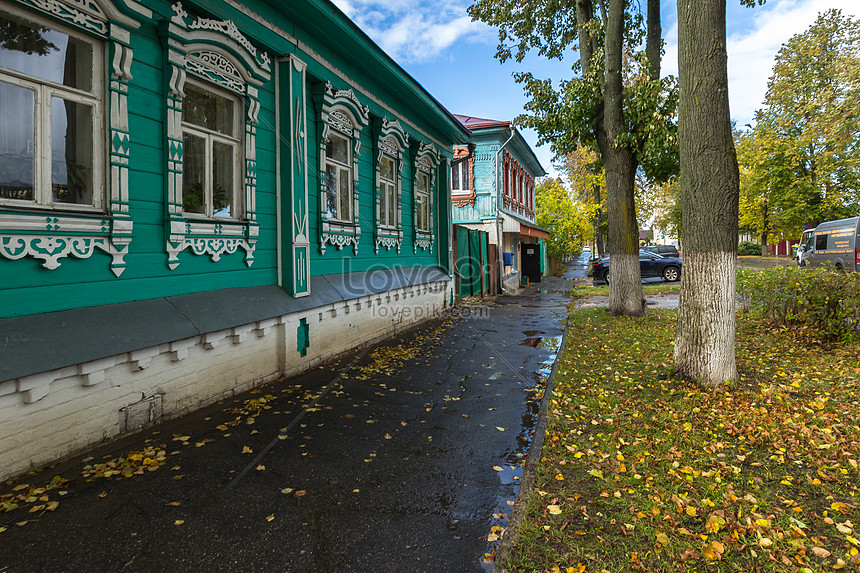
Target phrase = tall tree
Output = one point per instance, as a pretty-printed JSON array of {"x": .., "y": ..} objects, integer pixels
[
  {"x": 616, "y": 103},
  {"x": 705, "y": 335},
  {"x": 769, "y": 207},
  {"x": 801, "y": 161}
]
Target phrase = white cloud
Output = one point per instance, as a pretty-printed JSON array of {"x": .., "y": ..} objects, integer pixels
[
  {"x": 413, "y": 31},
  {"x": 752, "y": 50}
]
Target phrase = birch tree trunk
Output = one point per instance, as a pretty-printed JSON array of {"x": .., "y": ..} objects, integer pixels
[{"x": 705, "y": 335}]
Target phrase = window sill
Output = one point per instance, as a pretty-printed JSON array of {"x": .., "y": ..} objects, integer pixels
[{"x": 27, "y": 208}]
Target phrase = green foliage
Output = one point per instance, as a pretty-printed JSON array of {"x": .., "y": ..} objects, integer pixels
[
  {"x": 801, "y": 164},
  {"x": 667, "y": 208},
  {"x": 568, "y": 114},
  {"x": 747, "y": 248},
  {"x": 823, "y": 299},
  {"x": 586, "y": 179},
  {"x": 568, "y": 222}
]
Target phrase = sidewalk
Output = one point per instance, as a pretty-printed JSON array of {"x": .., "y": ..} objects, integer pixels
[{"x": 409, "y": 460}]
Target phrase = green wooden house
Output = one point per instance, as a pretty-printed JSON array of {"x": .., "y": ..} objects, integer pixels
[{"x": 199, "y": 197}]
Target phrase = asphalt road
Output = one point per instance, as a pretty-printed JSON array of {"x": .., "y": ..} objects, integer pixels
[{"x": 394, "y": 467}]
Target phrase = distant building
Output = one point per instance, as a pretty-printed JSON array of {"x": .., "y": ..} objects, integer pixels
[{"x": 494, "y": 191}]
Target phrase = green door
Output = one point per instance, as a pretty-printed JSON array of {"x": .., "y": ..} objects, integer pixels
[
  {"x": 475, "y": 262},
  {"x": 461, "y": 265}
]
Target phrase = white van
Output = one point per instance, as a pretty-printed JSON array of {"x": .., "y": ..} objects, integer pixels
[
  {"x": 802, "y": 245},
  {"x": 834, "y": 243}
]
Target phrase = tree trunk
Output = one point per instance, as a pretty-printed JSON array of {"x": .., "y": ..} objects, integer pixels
[
  {"x": 625, "y": 278},
  {"x": 764, "y": 230},
  {"x": 599, "y": 222},
  {"x": 625, "y": 281},
  {"x": 705, "y": 335}
]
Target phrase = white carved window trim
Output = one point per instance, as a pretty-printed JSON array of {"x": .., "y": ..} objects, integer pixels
[
  {"x": 214, "y": 52},
  {"x": 426, "y": 162},
  {"x": 343, "y": 113},
  {"x": 391, "y": 142},
  {"x": 67, "y": 230}
]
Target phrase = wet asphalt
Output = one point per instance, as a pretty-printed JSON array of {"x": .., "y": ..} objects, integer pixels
[{"x": 410, "y": 469}]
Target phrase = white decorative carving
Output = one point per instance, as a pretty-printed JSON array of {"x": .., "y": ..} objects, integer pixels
[
  {"x": 424, "y": 165},
  {"x": 179, "y": 14},
  {"x": 348, "y": 94},
  {"x": 253, "y": 111},
  {"x": 50, "y": 249},
  {"x": 338, "y": 241},
  {"x": 423, "y": 243},
  {"x": 218, "y": 62},
  {"x": 79, "y": 13},
  {"x": 176, "y": 84},
  {"x": 212, "y": 246},
  {"x": 388, "y": 242},
  {"x": 121, "y": 64},
  {"x": 216, "y": 76},
  {"x": 389, "y": 146},
  {"x": 339, "y": 120}
]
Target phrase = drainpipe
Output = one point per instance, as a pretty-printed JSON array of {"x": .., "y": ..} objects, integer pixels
[{"x": 499, "y": 191}]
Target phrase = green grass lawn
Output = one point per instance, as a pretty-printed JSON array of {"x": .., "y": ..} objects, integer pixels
[{"x": 644, "y": 472}]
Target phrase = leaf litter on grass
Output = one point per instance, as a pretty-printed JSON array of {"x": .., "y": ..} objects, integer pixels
[{"x": 659, "y": 474}]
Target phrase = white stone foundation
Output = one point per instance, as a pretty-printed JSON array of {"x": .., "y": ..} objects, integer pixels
[{"x": 58, "y": 413}]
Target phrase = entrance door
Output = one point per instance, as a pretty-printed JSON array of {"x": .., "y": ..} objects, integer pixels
[{"x": 531, "y": 261}]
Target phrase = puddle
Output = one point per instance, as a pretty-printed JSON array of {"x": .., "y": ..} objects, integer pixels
[
  {"x": 542, "y": 342},
  {"x": 512, "y": 470}
]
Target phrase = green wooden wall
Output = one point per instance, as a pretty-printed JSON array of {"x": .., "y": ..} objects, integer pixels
[{"x": 28, "y": 288}]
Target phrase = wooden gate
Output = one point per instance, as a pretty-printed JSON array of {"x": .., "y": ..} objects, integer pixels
[{"x": 471, "y": 254}]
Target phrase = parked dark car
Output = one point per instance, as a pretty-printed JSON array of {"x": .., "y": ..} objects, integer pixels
[
  {"x": 650, "y": 265},
  {"x": 664, "y": 250}
]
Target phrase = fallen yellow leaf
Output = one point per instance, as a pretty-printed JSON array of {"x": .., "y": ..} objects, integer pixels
[{"x": 553, "y": 509}]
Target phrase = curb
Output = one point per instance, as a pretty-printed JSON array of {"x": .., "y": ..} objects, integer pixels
[{"x": 519, "y": 511}]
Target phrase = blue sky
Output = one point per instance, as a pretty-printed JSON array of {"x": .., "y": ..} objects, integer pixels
[{"x": 454, "y": 58}]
